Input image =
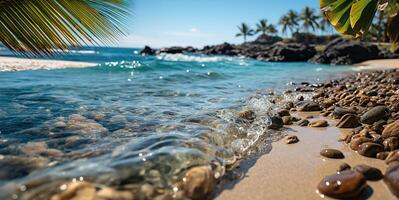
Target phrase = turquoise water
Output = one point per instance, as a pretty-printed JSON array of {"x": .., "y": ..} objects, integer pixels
[{"x": 136, "y": 119}]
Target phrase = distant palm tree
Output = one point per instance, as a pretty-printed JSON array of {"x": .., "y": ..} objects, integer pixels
[
  {"x": 261, "y": 27},
  {"x": 271, "y": 29},
  {"x": 245, "y": 31},
  {"x": 309, "y": 19},
  {"x": 289, "y": 22},
  {"x": 46, "y": 26},
  {"x": 324, "y": 25}
]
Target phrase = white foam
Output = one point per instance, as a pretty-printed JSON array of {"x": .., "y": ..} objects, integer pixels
[{"x": 194, "y": 58}]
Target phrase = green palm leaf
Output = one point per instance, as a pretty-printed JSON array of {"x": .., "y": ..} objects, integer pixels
[{"x": 47, "y": 26}]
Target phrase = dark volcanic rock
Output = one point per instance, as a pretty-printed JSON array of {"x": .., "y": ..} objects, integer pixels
[
  {"x": 291, "y": 52},
  {"x": 221, "y": 49},
  {"x": 348, "y": 121},
  {"x": 374, "y": 115},
  {"x": 267, "y": 39},
  {"x": 347, "y": 184},
  {"x": 276, "y": 123},
  {"x": 148, "y": 51},
  {"x": 172, "y": 50},
  {"x": 332, "y": 153},
  {"x": 340, "y": 51}
]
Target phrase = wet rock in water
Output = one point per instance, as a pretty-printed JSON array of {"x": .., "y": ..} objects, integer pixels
[
  {"x": 391, "y": 130},
  {"x": 391, "y": 178},
  {"x": 199, "y": 182},
  {"x": 370, "y": 149},
  {"x": 348, "y": 121},
  {"x": 283, "y": 112},
  {"x": 343, "y": 185},
  {"x": 19, "y": 166},
  {"x": 332, "y": 153},
  {"x": 303, "y": 122},
  {"x": 356, "y": 142},
  {"x": 319, "y": 123},
  {"x": 82, "y": 125},
  {"x": 343, "y": 167},
  {"x": 382, "y": 155},
  {"x": 76, "y": 191},
  {"x": 339, "y": 112},
  {"x": 276, "y": 123},
  {"x": 247, "y": 114},
  {"x": 34, "y": 148},
  {"x": 287, "y": 120},
  {"x": 308, "y": 106},
  {"x": 111, "y": 194},
  {"x": 391, "y": 143},
  {"x": 148, "y": 51},
  {"x": 370, "y": 173},
  {"x": 374, "y": 115},
  {"x": 291, "y": 139},
  {"x": 147, "y": 190}
]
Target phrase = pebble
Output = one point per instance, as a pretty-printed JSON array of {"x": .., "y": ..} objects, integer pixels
[
  {"x": 343, "y": 167},
  {"x": 391, "y": 178},
  {"x": 348, "y": 121},
  {"x": 374, "y": 114},
  {"x": 370, "y": 149},
  {"x": 370, "y": 173},
  {"x": 382, "y": 155},
  {"x": 319, "y": 123},
  {"x": 111, "y": 194},
  {"x": 308, "y": 106},
  {"x": 276, "y": 123},
  {"x": 283, "y": 112},
  {"x": 356, "y": 142},
  {"x": 343, "y": 185},
  {"x": 303, "y": 122},
  {"x": 76, "y": 191},
  {"x": 287, "y": 120},
  {"x": 199, "y": 182},
  {"x": 339, "y": 112},
  {"x": 391, "y": 143},
  {"x": 332, "y": 153},
  {"x": 291, "y": 139},
  {"x": 247, "y": 114},
  {"x": 391, "y": 130}
]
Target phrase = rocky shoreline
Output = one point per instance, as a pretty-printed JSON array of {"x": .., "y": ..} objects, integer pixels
[{"x": 337, "y": 51}]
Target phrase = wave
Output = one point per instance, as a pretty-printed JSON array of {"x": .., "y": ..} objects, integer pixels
[{"x": 195, "y": 58}]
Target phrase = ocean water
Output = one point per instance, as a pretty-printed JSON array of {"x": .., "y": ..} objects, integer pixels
[{"x": 136, "y": 119}]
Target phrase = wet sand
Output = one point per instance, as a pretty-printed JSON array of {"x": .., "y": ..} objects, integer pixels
[
  {"x": 20, "y": 64},
  {"x": 293, "y": 171}
]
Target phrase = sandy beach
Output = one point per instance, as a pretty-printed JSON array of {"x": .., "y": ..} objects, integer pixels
[
  {"x": 20, "y": 64},
  {"x": 380, "y": 64},
  {"x": 293, "y": 171}
]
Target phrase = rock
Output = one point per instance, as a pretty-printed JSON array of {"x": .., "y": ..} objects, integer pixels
[
  {"x": 291, "y": 139},
  {"x": 391, "y": 143},
  {"x": 319, "y": 123},
  {"x": 393, "y": 156},
  {"x": 276, "y": 123},
  {"x": 382, "y": 155},
  {"x": 391, "y": 130},
  {"x": 265, "y": 39},
  {"x": 283, "y": 112},
  {"x": 172, "y": 50},
  {"x": 339, "y": 112},
  {"x": 392, "y": 178},
  {"x": 343, "y": 167},
  {"x": 374, "y": 115},
  {"x": 221, "y": 49},
  {"x": 344, "y": 185},
  {"x": 348, "y": 121},
  {"x": 34, "y": 148},
  {"x": 356, "y": 142},
  {"x": 370, "y": 149},
  {"x": 247, "y": 114},
  {"x": 12, "y": 167},
  {"x": 81, "y": 125},
  {"x": 76, "y": 191},
  {"x": 147, "y": 190},
  {"x": 199, "y": 182},
  {"x": 346, "y": 52},
  {"x": 303, "y": 122},
  {"x": 287, "y": 120},
  {"x": 370, "y": 173},
  {"x": 308, "y": 106},
  {"x": 147, "y": 51},
  {"x": 111, "y": 194},
  {"x": 291, "y": 52},
  {"x": 332, "y": 153}
]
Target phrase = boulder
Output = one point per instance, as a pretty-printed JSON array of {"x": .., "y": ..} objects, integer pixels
[
  {"x": 148, "y": 51},
  {"x": 291, "y": 52},
  {"x": 172, "y": 50}
]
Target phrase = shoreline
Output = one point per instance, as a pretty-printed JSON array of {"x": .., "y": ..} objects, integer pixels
[{"x": 22, "y": 64}]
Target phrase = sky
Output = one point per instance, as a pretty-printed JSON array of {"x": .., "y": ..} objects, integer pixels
[{"x": 161, "y": 23}]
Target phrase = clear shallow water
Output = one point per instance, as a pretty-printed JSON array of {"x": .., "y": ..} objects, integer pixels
[{"x": 135, "y": 119}]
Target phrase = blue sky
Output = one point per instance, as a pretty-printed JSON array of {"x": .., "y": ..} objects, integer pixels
[{"x": 197, "y": 23}]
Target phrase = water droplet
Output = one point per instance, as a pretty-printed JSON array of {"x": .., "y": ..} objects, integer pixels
[{"x": 160, "y": 77}]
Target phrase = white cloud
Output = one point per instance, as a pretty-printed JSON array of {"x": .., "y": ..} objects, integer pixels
[{"x": 193, "y": 30}]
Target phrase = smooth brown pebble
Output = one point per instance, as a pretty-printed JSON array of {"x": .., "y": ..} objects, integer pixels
[
  {"x": 291, "y": 139},
  {"x": 382, "y": 155},
  {"x": 370, "y": 149},
  {"x": 356, "y": 142},
  {"x": 343, "y": 167},
  {"x": 370, "y": 173},
  {"x": 391, "y": 178},
  {"x": 391, "y": 143},
  {"x": 319, "y": 123},
  {"x": 332, "y": 153},
  {"x": 343, "y": 185}
]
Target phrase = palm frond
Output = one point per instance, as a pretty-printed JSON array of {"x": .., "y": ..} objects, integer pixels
[{"x": 47, "y": 26}]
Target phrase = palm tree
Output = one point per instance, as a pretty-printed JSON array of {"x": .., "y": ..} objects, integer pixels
[
  {"x": 245, "y": 31},
  {"x": 47, "y": 26},
  {"x": 324, "y": 25},
  {"x": 289, "y": 22},
  {"x": 309, "y": 19},
  {"x": 271, "y": 29},
  {"x": 262, "y": 27}
]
